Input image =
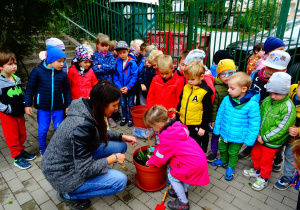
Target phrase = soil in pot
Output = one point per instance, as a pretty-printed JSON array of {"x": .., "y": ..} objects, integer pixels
[{"x": 138, "y": 161}]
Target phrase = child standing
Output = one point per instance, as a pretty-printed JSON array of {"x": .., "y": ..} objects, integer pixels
[
  {"x": 219, "y": 55},
  {"x": 296, "y": 164},
  {"x": 187, "y": 162},
  {"x": 51, "y": 91},
  {"x": 195, "y": 103},
  {"x": 278, "y": 114},
  {"x": 153, "y": 57},
  {"x": 225, "y": 69},
  {"x": 104, "y": 60},
  {"x": 258, "y": 52},
  {"x": 125, "y": 78},
  {"x": 166, "y": 87},
  {"x": 237, "y": 121},
  {"x": 81, "y": 77},
  {"x": 12, "y": 110},
  {"x": 181, "y": 65}
]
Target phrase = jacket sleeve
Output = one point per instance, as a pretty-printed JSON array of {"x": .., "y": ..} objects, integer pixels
[
  {"x": 31, "y": 87},
  {"x": 70, "y": 78},
  {"x": 280, "y": 130},
  {"x": 94, "y": 79},
  {"x": 114, "y": 136},
  {"x": 133, "y": 75},
  {"x": 67, "y": 91},
  {"x": 215, "y": 107},
  {"x": 6, "y": 109},
  {"x": 220, "y": 115},
  {"x": 108, "y": 68},
  {"x": 141, "y": 76},
  {"x": 206, "y": 115},
  {"x": 179, "y": 91},
  {"x": 254, "y": 125},
  {"x": 96, "y": 63},
  {"x": 117, "y": 80},
  {"x": 84, "y": 162},
  {"x": 151, "y": 94},
  {"x": 161, "y": 155}
]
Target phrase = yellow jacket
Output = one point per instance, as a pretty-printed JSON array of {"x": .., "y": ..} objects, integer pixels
[{"x": 292, "y": 94}]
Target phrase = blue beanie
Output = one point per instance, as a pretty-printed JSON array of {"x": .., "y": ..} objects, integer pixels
[
  {"x": 54, "y": 53},
  {"x": 272, "y": 43}
]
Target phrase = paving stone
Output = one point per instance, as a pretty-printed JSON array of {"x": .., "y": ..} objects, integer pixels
[
  {"x": 225, "y": 205},
  {"x": 137, "y": 205},
  {"x": 125, "y": 196},
  {"x": 22, "y": 196},
  {"x": 222, "y": 194},
  {"x": 6, "y": 195},
  {"x": 143, "y": 197},
  {"x": 249, "y": 191},
  {"x": 15, "y": 185},
  {"x": 289, "y": 202},
  {"x": 101, "y": 205},
  {"x": 40, "y": 196},
  {"x": 9, "y": 175},
  {"x": 238, "y": 194},
  {"x": 30, "y": 205},
  {"x": 156, "y": 195},
  {"x": 290, "y": 194},
  {"x": 258, "y": 204},
  {"x": 52, "y": 195},
  {"x": 214, "y": 173},
  {"x": 210, "y": 197},
  {"x": 110, "y": 199},
  {"x": 94, "y": 199},
  {"x": 242, "y": 204},
  {"x": 4, "y": 166},
  {"x": 23, "y": 175},
  {"x": 3, "y": 184},
  {"x": 31, "y": 185},
  {"x": 205, "y": 204},
  {"x": 48, "y": 205},
  {"x": 194, "y": 197},
  {"x": 135, "y": 191},
  {"x": 152, "y": 203},
  {"x": 45, "y": 185},
  {"x": 12, "y": 206},
  {"x": 200, "y": 191},
  {"x": 120, "y": 205},
  {"x": 218, "y": 183},
  {"x": 273, "y": 194},
  {"x": 277, "y": 205}
]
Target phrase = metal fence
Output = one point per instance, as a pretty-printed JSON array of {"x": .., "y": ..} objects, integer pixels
[{"x": 210, "y": 25}]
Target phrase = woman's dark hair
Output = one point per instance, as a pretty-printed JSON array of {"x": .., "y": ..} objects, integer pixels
[{"x": 101, "y": 96}]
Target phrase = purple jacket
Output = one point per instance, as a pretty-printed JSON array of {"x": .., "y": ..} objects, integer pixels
[{"x": 187, "y": 160}]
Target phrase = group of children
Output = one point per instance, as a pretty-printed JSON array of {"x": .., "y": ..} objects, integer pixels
[{"x": 257, "y": 110}]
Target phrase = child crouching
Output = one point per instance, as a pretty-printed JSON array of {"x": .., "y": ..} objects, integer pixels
[
  {"x": 237, "y": 121},
  {"x": 187, "y": 165}
]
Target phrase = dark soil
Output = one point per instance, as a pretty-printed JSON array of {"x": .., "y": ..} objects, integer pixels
[{"x": 137, "y": 160}]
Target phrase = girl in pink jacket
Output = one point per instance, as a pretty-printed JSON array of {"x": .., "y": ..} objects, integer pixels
[{"x": 186, "y": 159}]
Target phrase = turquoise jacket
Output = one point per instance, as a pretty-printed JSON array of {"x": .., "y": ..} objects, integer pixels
[{"x": 239, "y": 125}]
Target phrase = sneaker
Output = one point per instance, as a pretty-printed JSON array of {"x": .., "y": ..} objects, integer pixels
[
  {"x": 173, "y": 194},
  {"x": 27, "y": 156},
  {"x": 124, "y": 121},
  {"x": 260, "y": 184},
  {"x": 284, "y": 183},
  {"x": 21, "y": 163},
  {"x": 212, "y": 157},
  {"x": 112, "y": 123},
  {"x": 229, "y": 174},
  {"x": 42, "y": 151},
  {"x": 245, "y": 153},
  {"x": 277, "y": 167},
  {"x": 177, "y": 204},
  {"x": 219, "y": 163},
  {"x": 130, "y": 122},
  {"x": 74, "y": 204},
  {"x": 250, "y": 173}
]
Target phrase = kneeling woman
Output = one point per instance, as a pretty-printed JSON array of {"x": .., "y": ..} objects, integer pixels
[{"x": 77, "y": 157}]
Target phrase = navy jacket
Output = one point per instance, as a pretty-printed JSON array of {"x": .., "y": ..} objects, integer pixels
[
  {"x": 145, "y": 77},
  {"x": 49, "y": 87},
  {"x": 107, "y": 64}
]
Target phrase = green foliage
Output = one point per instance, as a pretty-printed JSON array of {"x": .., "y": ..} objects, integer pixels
[{"x": 143, "y": 156}]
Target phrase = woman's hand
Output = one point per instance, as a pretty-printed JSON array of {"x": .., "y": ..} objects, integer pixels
[
  {"x": 130, "y": 140},
  {"x": 112, "y": 158},
  {"x": 121, "y": 158}
]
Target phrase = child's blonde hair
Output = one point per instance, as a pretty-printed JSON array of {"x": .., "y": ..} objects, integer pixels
[
  {"x": 136, "y": 42},
  {"x": 112, "y": 45},
  {"x": 157, "y": 114},
  {"x": 243, "y": 79},
  {"x": 103, "y": 39},
  {"x": 194, "y": 69},
  {"x": 150, "y": 47},
  {"x": 164, "y": 62},
  {"x": 153, "y": 56}
]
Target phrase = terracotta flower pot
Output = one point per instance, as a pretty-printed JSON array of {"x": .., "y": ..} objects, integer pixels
[
  {"x": 137, "y": 113},
  {"x": 149, "y": 179}
]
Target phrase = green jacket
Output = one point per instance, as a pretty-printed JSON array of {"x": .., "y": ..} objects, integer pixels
[
  {"x": 221, "y": 92},
  {"x": 276, "y": 119}
]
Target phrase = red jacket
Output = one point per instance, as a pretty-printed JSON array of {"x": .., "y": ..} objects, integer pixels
[
  {"x": 165, "y": 94},
  {"x": 81, "y": 86}
]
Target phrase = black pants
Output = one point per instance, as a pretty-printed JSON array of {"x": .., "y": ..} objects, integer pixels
[
  {"x": 201, "y": 140},
  {"x": 298, "y": 203}
]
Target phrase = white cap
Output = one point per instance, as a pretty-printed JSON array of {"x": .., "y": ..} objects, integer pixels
[
  {"x": 280, "y": 83},
  {"x": 277, "y": 59},
  {"x": 195, "y": 55},
  {"x": 56, "y": 43}
]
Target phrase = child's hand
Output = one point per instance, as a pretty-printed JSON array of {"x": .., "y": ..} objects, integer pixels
[
  {"x": 125, "y": 90},
  {"x": 98, "y": 66},
  {"x": 212, "y": 124},
  {"x": 122, "y": 90},
  {"x": 173, "y": 116},
  {"x": 294, "y": 131},
  {"x": 147, "y": 164},
  {"x": 28, "y": 110},
  {"x": 201, "y": 132},
  {"x": 259, "y": 139},
  {"x": 66, "y": 110},
  {"x": 144, "y": 88}
]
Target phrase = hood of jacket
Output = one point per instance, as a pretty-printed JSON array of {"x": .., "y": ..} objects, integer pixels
[
  {"x": 250, "y": 95},
  {"x": 7, "y": 82},
  {"x": 80, "y": 108},
  {"x": 43, "y": 65},
  {"x": 175, "y": 128}
]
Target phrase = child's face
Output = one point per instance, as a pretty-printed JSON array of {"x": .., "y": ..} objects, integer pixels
[
  {"x": 182, "y": 65},
  {"x": 298, "y": 90},
  {"x": 137, "y": 48},
  {"x": 148, "y": 64},
  {"x": 235, "y": 90},
  {"x": 166, "y": 74},
  {"x": 58, "y": 64},
  {"x": 9, "y": 68},
  {"x": 270, "y": 71},
  {"x": 143, "y": 52},
  {"x": 123, "y": 54},
  {"x": 260, "y": 53},
  {"x": 224, "y": 76},
  {"x": 154, "y": 64},
  {"x": 85, "y": 64},
  {"x": 103, "y": 47},
  {"x": 195, "y": 80},
  {"x": 277, "y": 97},
  {"x": 158, "y": 126}
]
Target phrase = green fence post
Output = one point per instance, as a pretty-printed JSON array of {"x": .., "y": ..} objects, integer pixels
[
  {"x": 283, "y": 18},
  {"x": 190, "y": 25},
  {"x": 122, "y": 23}
]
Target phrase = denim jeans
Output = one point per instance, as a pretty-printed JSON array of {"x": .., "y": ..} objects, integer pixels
[
  {"x": 289, "y": 169},
  {"x": 127, "y": 102},
  {"x": 106, "y": 184}
]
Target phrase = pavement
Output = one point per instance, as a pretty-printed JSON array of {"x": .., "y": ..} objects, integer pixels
[{"x": 29, "y": 190}]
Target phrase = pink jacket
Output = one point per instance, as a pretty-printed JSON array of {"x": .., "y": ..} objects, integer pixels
[{"x": 187, "y": 159}]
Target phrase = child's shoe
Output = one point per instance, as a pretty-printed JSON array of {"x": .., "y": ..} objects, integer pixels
[
  {"x": 173, "y": 194},
  {"x": 112, "y": 123},
  {"x": 42, "y": 151},
  {"x": 27, "y": 156},
  {"x": 260, "y": 184},
  {"x": 130, "y": 122},
  {"x": 178, "y": 205},
  {"x": 229, "y": 174},
  {"x": 124, "y": 121},
  {"x": 250, "y": 173},
  {"x": 284, "y": 183},
  {"x": 219, "y": 163},
  {"x": 212, "y": 157},
  {"x": 21, "y": 163},
  {"x": 277, "y": 166}
]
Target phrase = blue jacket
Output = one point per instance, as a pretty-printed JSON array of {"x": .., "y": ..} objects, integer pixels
[
  {"x": 128, "y": 76},
  {"x": 239, "y": 125},
  {"x": 141, "y": 65},
  {"x": 49, "y": 87},
  {"x": 107, "y": 64}
]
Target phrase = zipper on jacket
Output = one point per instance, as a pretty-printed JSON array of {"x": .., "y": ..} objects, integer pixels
[
  {"x": 266, "y": 114},
  {"x": 52, "y": 89},
  {"x": 62, "y": 95},
  {"x": 38, "y": 99},
  {"x": 187, "y": 102},
  {"x": 123, "y": 74}
]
